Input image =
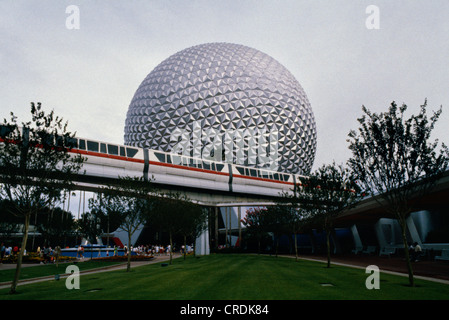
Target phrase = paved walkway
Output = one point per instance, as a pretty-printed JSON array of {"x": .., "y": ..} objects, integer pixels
[{"x": 427, "y": 269}]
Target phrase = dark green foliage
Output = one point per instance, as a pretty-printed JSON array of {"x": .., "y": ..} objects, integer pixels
[
  {"x": 394, "y": 160},
  {"x": 35, "y": 166},
  {"x": 124, "y": 204},
  {"x": 325, "y": 194}
]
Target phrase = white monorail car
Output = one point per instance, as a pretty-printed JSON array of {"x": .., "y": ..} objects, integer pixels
[{"x": 110, "y": 161}]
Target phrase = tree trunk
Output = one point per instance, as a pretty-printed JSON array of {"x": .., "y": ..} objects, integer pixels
[
  {"x": 226, "y": 227},
  {"x": 328, "y": 248},
  {"x": 296, "y": 246},
  {"x": 171, "y": 247},
  {"x": 403, "y": 224},
  {"x": 128, "y": 266},
  {"x": 185, "y": 247},
  {"x": 216, "y": 227},
  {"x": 277, "y": 246},
  {"x": 20, "y": 257}
]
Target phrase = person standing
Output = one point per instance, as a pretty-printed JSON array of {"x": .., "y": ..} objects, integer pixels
[
  {"x": 417, "y": 251},
  {"x": 2, "y": 252}
]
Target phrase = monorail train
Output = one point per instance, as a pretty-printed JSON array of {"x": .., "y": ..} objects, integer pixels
[
  {"x": 110, "y": 161},
  {"x": 113, "y": 160}
]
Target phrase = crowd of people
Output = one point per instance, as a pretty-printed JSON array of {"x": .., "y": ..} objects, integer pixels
[
  {"x": 5, "y": 251},
  {"x": 148, "y": 250},
  {"x": 151, "y": 249},
  {"x": 49, "y": 254},
  {"x": 157, "y": 250}
]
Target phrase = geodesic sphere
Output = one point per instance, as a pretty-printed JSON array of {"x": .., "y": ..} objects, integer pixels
[{"x": 225, "y": 87}]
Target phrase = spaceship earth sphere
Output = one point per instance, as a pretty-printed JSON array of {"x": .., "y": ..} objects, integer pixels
[{"x": 225, "y": 88}]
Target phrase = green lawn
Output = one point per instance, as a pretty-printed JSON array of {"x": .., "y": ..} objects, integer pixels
[{"x": 232, "y": 277}]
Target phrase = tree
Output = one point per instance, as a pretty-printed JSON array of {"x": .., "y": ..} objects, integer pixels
[
  {"x": 395, "y": 162},
  {"x": 35, "y": 166},
  {"x": 255, "y": 223},
  {"x": 130, "y": 200},
  {"x": 9, "y": 223},
  {"x": 169, "y": 212},
  {"x": 98, "y": 220},
  {"x": 55, "y": 225},
  {"x": 194, "y": 222},
  {"x": 276, "y": 221},
  {"x": 296, "y": 219},
  {"x": 89, "y": 225},
  {"x": 325, "y": 194}
]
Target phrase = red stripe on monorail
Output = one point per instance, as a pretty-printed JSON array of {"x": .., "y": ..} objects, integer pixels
[
  {"x": 171, "y": 165},
  {"x": 176, "y": 166},
  {"x": 261, "y": 179}
]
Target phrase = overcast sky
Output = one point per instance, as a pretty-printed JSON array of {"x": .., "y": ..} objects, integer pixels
[{"x": 89, "y": 75}]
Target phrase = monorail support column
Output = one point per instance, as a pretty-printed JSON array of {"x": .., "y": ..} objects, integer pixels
[
  {"x": 414, "y": 234},
  {"x": 216, "y": 227},
  {"x": 226, "y": 225},
  {"x": 239, "y": 224},
  {"x": 230, "y": 225},
  {"x": 202, "y": 242}
]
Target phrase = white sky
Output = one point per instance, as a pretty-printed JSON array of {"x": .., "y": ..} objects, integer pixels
[{"x": 89, "y": 76}]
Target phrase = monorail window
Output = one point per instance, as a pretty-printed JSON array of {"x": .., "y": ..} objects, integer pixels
[
  {"x": 122, "y": 151},
  {"x": 103, "y": 148},
  {"x": 206, "y": 165},
  {"x": 176, "y": 159},
  {"x": 160, "y": 156},
  {"x": 195, "y": 163},
  {"x": 47, "y": 139},
  {"x": 168, "y": 158},
  {"x": 82, "y": 144},
  {"x": 6, "y": 130},
  {"x": 92, "y": 146},
  {"x": 219, "y": 166},
  {"x": 59, "y": 141},
  {"x": 276, "y": 176},
  {"x": 71, "y": 143},
  {"x": 263, "y": 174},
  {"x": 253, "y": 172},
  {"x": 113, "y": 149},
  {"x": 131, "y": 152},
  {"x": 184, "y": 161},
  {"x": 241, "y": 170}
]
